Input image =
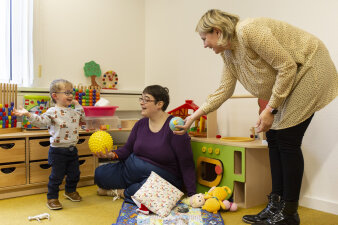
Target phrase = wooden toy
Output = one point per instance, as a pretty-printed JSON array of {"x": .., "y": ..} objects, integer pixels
[
  {"x": 183, "y": 111},
  {"x": 8, "y": 100},
  {"x": 243, "y": 166},
  {"x": 86, "y": 96},
  {"x": 110, "y": 80},
  {"x": 92, "y": 70}
]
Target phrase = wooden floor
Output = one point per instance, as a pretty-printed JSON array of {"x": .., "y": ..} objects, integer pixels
[{"x": 98, "y": 210}]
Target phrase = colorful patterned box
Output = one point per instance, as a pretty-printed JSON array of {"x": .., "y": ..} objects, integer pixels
[{"x": 35, "y": 104}]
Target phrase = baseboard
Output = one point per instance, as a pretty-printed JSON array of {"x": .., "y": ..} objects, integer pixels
[{"x": 319, "y": 204}]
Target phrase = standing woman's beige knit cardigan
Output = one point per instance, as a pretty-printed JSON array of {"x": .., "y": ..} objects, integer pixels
[{"x": 278, "y": 62}]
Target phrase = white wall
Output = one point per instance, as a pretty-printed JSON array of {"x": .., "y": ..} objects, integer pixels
[
  {"x": 175, "y": 58},
  {"x": 69, "y": 33}
]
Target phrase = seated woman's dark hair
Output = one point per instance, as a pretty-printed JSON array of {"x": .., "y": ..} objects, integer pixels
[{"x": 159, "y": 93}]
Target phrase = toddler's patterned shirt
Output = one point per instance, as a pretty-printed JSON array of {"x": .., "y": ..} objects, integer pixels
[{"x": 62, "y": 123}]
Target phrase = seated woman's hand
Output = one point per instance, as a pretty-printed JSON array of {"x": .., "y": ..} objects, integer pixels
[{"x": 106, "y": 155}]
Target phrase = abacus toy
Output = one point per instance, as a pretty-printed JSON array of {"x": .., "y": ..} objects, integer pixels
[
  {"x": 8, "y": 100},
  {"x": 109, "y": 80},
  {"x": 86, "y": 96}
]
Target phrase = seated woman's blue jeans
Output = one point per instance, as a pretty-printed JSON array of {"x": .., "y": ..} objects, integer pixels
[{"x": 130, "y": 175}]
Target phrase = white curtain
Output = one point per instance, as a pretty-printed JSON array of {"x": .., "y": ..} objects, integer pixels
[
  {"x": 16, "y": 42},
  {"x": 4, "y": 41}
]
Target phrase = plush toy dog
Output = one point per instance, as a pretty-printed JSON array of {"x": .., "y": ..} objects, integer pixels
[
  {"x": 215, "y": 197},
  {"x": 195, "y": 201}
]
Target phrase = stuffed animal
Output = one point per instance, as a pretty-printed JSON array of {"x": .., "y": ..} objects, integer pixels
[
  {"x": 230, "y": 206},
  {"x": 215, "y": 197},
  {"x": 195, "y": 201}
]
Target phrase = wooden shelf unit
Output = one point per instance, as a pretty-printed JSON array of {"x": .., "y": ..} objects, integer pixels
[{"x": 24, "y": 168}]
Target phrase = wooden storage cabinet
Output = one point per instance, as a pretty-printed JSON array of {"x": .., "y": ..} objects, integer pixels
[
  {"x": 39, "y": 147},
  {"x": 82, "y": 145},
  {"x": 38, "y": 155},
  {"x": 40, "y": 171},
  {"x": 24, "y": 167},
  {"x": 12, "y": 162},
  {"x": 87, "y": 166},
  {"x": 12, "y": 150},
  {"x": 12, "y": 174}
]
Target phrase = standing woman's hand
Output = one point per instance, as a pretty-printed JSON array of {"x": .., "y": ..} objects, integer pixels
[
  {"x": 187, "y": 123},
  {"x": 265, "y": 120}
]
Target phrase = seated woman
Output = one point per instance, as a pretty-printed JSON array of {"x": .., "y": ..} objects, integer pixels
[{"x": 151, "y": 146}]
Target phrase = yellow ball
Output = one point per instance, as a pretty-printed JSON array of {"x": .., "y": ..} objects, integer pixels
[{"x": 99, "y": 141}]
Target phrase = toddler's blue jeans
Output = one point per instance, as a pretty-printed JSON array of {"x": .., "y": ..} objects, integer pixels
[{"x": 64, "y": 162}]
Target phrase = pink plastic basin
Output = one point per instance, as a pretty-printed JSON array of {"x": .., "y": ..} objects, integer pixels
[{"x": 99, "y": 110}]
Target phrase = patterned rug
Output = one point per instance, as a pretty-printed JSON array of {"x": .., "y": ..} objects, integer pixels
[{"x": 195, "y": 216}]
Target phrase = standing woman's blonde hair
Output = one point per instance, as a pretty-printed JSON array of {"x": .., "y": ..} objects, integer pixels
[{"x": 223, "y": 21}]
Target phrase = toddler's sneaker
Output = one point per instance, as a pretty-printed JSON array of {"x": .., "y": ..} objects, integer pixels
[
  {"x": 73, "y": 196},
  {"x": 54, "y": 204}
]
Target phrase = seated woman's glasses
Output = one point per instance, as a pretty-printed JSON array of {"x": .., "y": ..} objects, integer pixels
[{"x": 145, "y": 100}]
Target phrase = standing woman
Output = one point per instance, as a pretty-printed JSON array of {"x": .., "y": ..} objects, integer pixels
[{"x": 289, "y": 68}]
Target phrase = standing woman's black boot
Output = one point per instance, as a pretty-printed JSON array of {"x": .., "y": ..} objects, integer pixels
[
  {"x": 286, "y": 215},
  {"x": 272, "y": 208}
]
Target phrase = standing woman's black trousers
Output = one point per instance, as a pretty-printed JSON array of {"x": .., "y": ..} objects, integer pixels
[{"x": 286, "y": 160}]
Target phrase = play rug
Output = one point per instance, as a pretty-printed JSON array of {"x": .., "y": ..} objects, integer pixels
[{"x": 195, "y": 216}]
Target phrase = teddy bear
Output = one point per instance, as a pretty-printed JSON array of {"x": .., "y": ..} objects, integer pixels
[
  {"x": 215, "y": 197},
  {"x": 195, "y": 201}
]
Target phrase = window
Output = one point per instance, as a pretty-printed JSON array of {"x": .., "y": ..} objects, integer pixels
[{"x": 16, "y": 43}]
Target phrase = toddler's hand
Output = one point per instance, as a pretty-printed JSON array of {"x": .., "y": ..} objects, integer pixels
[
  {"x": 74, "y": 102},
  {"x": 21, "y": 112}
]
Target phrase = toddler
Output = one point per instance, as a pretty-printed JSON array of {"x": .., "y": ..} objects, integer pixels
[{"x": 63, "y": 126}]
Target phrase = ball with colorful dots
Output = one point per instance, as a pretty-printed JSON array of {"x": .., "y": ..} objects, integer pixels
[
  {"x": 100, "y": 141},
  {"x": 176, "y": 121}
]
